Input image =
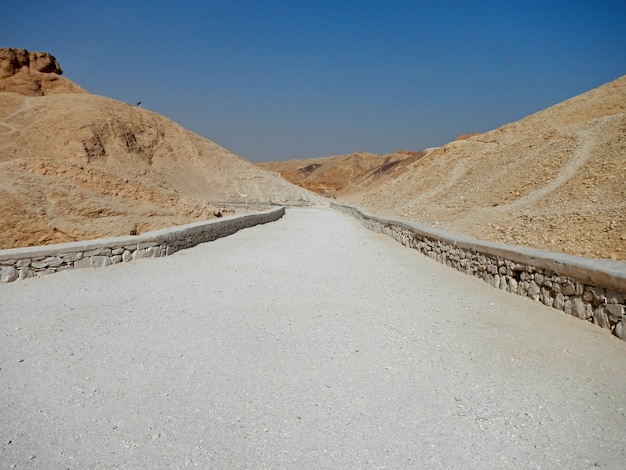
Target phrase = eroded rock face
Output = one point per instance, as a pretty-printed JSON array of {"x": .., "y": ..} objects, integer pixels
[
  {"x": 13, "y": 60},
  {"x": 33, "y": 73}
]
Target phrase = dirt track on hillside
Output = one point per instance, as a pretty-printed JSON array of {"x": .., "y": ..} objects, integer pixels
[{"x": 555, "y": 180}]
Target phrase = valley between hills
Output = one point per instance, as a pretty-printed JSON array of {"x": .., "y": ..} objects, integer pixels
[{"x": 77, "y": 166}]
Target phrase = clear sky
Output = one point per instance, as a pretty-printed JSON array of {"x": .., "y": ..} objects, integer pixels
[{"x": 272, "y": 80}]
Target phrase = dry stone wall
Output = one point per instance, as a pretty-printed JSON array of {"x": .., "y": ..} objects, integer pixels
[
  {"x": 590, "y": 289},
  {"x": 24, "y": 263}
]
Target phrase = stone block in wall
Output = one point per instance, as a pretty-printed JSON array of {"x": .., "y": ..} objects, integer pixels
[
  {"x": 533, "y": 288},
  {"x": 26, "y": 273},
  {"x": 116, "y": 259},
  {"x": 127, "y": 256},
  {"x": 71, "y": 257},
  {"x": 8, "y": 274},
  {"x": 568, "y": 307},
  {"x": 615, "y": 310},
  {"x": 100, "y": 261},
  {"x": 117, "y": 251},
  {"x": 600, "y": 318},
  {"x": 139, "y": 254},
  {"x": 569, "y": 289},
  {"x": 22, "y": 263},
  {"x": 50, "y": 261},
  {"x": 576, "y": 307},
  {"x": 522, "y": 288},
  {"x": 546, "y": 296},
  {"x": 559, "y": 301},
  {"x": 82, "y": 263},
  {"x": 620, "y": 330},
  {"x": 38, "y": 264}
]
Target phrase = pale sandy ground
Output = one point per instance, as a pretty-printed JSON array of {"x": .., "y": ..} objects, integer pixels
[{"x": 306, "y": 343}]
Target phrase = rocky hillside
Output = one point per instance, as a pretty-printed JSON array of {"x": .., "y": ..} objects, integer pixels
[
  {"x": 331, "y": 176},
  {"x": 555, "y": 180},
  {"x": 33, "y": 74},
  {"x": 76, "y": 165}
]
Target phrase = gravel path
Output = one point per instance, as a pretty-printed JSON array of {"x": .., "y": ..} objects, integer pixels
[{"x": 303, "y": 344}]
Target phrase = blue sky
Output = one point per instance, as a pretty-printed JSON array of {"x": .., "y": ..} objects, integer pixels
[{"x": 272, "y": 80}]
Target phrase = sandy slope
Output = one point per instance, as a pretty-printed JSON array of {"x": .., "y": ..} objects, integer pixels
[
  {"x": 555, "y": 180},
  {"x": 331, "y": 175},
  {"x": 76, "y": 166}
]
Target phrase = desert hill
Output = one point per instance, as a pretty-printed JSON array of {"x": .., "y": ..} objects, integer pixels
[
  {"x": 555, "y": 180},
  {"x": 330, "y": 176},
  {"x": 75, "y": 165}
]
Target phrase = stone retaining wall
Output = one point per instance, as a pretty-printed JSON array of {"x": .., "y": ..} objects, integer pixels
[
  {"x": 590, "y": 289},
  {"x": 23, "y": 263}
]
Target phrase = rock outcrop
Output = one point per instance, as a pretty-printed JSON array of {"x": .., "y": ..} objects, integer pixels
[{"x": 33, "y": 74}]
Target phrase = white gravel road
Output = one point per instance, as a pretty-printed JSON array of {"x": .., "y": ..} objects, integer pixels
[{"x": 308, "y": 343}]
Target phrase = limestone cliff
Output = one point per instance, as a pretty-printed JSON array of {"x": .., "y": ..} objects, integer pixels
[{"x": 33, "y": 74}]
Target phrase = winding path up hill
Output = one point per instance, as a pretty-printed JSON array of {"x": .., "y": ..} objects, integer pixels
[
  {"x": 78, "y": 166},
  {"x": 555, "y": 180}
]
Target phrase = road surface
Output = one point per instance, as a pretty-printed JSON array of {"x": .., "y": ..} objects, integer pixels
[{"x": 307, "y": 343}]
